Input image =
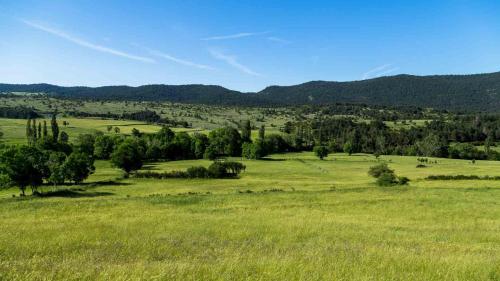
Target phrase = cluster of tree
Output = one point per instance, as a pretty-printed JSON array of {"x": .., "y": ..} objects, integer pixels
[
  {"x": 217, "y": 170},
  {"x": 438, "y": 138},
  {"x": 46, "y": 158},
  {"x": 130, "y": 153},
  {"x": 18, "y": 112}
]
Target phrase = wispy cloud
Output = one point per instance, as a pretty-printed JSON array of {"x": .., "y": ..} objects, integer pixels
[
  {"x": 178, "y": 60},
  {"x": 87, "y": 44},
  {"x": 278, "y": 40},
  {"x": 380, "y": 71},
  {"x": 234, "y": 36},
  {"x": 232, "y": 60},
  {"x": 388, "y": 71}
]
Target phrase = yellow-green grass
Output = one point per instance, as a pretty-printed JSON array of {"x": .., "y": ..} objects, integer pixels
[
  {"x": 14, "y": 130},
  {"x": 407, "y": 124},
  {"x": 200, "y": 116},
  {"x": 327, "y": 221}
]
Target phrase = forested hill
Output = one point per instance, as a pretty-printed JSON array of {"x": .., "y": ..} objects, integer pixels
[
  {"x": 454, "y": 92},
  {"x": 197, "y": 94},
  {"x": 462, "y": 92}
]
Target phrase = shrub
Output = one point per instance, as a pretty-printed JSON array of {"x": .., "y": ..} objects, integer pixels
[
  {"x": 197, "y": 172},
  {"x": 377, "y": 170},
  {"x": 217, "y": 170},
  {"x": 403, "y": 180},
  {"x": 387, "y": 179},
  {"x": 320, "y": 151},
  {"x": 385, "y": 176},
  {"x": 461, "y": 177}
]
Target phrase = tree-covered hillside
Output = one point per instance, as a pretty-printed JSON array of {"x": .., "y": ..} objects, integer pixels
[
  {"x": 459, "y": 92},
  {"x": 453, "y": 92}
]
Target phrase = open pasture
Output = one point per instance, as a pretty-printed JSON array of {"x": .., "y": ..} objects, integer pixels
[{"x": 289, "y": 217}]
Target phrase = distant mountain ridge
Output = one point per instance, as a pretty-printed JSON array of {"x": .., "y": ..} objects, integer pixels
[{"x": 478, "y": 92}]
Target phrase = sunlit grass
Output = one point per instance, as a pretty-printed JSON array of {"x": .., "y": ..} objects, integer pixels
[{"x": 325, "y": 220}]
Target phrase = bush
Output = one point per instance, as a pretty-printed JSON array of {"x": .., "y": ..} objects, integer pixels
[
  {"x": 320, "y": 151},
  {"x": 403, "y": 180},
  {"x": 387, "y": 179},
  {"x": 461, "y": 177},
  {"x": 385, "y": 176},
  {"x": 377, "y": 170},
  {"x": 197, "y": 172},
  {"x": 218, "y": 170}
]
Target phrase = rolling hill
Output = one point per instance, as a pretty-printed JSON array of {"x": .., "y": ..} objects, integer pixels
[{"x": 478, "y": 92}]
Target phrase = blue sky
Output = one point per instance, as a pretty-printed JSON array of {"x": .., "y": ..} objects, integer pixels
[{"x": 243, "y": 45}]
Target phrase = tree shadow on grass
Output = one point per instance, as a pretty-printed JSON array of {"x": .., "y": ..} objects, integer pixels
[
  {"x": 150, "y": 167},
  {"x": 73, "y": 193},
  {"x": 103, "y": 183},
  {"x": 272, "y": 159}
]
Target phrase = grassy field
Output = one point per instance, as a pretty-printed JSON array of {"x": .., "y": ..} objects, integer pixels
[
  {"x": 291, "y": 217},
  {"x": 14, "y": 130},
  {"x": 199, "y": 116}
]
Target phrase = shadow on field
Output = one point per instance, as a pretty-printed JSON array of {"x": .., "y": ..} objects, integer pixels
[
  {"x": 149, "y": 167},
  {"x": 468, "y": 189},
  {"x": 74, "y": 193},
  {"x": 272, "y": 159},
  {"x": 103, "y": 183}
]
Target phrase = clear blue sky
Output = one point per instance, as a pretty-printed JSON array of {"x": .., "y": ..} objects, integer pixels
[{"x": 243, "y": 45}]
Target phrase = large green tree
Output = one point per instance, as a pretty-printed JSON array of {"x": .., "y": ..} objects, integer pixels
[
  {"x": 25, "y": 166},
  {"x": 78, "y": 166},
  {"x": 224, "y": 142},
  {"x": 127, "y": 156}
]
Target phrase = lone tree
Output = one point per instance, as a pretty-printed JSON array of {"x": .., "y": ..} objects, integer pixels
[
  {"x": 127, "y": 157},
  {"x": 320, "y": 151}
]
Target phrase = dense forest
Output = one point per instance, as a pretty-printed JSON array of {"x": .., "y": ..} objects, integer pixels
[{"x": 452, "y": 92}]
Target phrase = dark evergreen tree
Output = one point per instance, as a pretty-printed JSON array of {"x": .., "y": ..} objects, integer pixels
[
  {"x": 45, "y": 132},
  {"x": 29, "y": 134},
  {"x": 55, "y": 128},
  {"x": 246, "y": 131},
  {"x": 262, "y": 132},
  {"x": 39, "y": 130}
]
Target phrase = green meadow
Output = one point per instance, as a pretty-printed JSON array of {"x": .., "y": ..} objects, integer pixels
[{"x": 288, "y": 217}]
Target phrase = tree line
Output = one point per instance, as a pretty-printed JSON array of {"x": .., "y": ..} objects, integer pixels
[
  {"x": 453, "y": 138},
  {"x": 18, "y": 112}
]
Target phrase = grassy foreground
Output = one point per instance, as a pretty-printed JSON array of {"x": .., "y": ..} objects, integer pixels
[{"x": 292, "y": 217}]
